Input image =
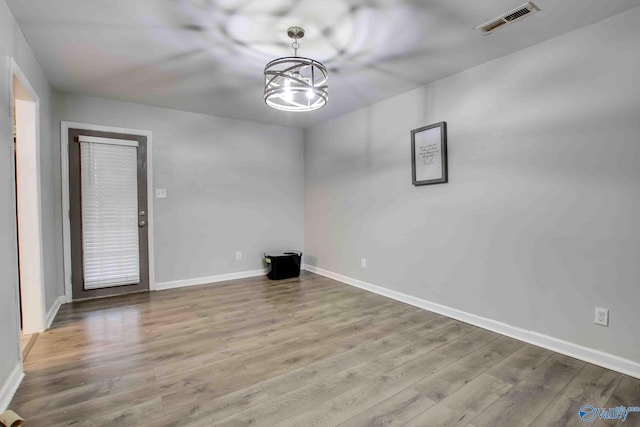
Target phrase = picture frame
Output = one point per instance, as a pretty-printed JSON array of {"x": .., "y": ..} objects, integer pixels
[{"x": 429, "y": 154}]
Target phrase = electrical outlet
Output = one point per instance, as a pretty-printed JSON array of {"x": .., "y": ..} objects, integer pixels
[
  {"x": 363, "y": 263},
  {"x": 161, "y": 193},
  {"x": 602, "y": 316},
  {"x": 238, "y": 256}
]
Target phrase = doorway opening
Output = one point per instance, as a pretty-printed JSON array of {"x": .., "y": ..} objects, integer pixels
[{"x": 25, "y": 119}]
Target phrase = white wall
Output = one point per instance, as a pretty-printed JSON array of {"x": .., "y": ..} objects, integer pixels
[
  {"x": 539, "y": 221},
  {"x": 231, "y": 185},
  {"x": 13, "y": 45}
]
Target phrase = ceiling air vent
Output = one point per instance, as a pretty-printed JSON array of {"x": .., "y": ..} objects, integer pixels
[{"x": 507, "y": 18}]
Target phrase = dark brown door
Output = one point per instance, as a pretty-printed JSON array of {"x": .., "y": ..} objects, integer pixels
[{"x": 108, "y": 201}]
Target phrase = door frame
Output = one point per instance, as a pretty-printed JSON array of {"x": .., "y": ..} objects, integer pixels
[
  {"x": 66, "y": 223},
  {"x": 33, "y": 308}
]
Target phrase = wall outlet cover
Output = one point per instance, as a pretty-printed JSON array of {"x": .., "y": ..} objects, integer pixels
[{"x": 602, "y": 316}]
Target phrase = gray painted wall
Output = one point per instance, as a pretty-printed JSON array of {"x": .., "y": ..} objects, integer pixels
[
  {"x": 538, "y": 223},
  {"x": 231, "y": 185},
  {"x": 13, "y": 45}
]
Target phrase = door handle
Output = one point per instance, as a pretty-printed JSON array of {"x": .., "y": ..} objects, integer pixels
[{"x": 142, "y": 223}]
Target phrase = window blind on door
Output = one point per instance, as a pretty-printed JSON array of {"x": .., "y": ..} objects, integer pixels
[{"x": 109, "y": 187}]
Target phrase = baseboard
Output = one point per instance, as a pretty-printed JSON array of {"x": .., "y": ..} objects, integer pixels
[
  {"x": 160, "y": 286},
  {"x": 10, "y": 386},
  {"x": 597, "y": 357},
  {"x": 51, "y": 314}
]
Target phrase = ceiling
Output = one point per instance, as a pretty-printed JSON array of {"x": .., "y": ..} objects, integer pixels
[{"x": 208, "y": 56}]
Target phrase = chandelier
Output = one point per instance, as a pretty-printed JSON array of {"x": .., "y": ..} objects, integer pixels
[{"x": 294, "y": 83}]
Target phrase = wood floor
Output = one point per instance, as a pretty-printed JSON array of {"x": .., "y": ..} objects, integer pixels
[
  {"x": 300, "y": 352},
  {"x": 26, "y": 343}
]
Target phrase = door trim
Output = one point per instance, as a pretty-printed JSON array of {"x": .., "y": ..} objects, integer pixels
[
  {"x": 33, "y": 310},
  {"x": 66, "y": 223}
]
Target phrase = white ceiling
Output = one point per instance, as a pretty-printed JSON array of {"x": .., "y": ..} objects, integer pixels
[{"x": 207, "y": 56}]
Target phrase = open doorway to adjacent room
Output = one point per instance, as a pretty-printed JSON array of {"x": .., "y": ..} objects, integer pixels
[{"x": 25, "y": 116}]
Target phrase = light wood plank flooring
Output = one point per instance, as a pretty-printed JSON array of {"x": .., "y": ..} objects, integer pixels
[
  {"x": 26, "y": 343},
  {"x": 299, "y": 352}
]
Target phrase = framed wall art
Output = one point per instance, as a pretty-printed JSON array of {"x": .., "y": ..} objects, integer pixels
[{"x": 429, "y": 154}]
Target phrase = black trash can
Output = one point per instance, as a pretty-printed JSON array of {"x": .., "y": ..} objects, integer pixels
[{"x": 283, "y": 265}]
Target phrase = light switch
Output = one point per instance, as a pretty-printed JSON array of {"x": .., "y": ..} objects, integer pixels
[{"x": 161, "y": 193}]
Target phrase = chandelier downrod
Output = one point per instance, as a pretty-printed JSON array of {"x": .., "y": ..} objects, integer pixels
[{"x": 295, "y": 33}]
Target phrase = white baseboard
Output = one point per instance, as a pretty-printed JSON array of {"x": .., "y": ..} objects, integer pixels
[
  {"x": 10, "y": 386},
  {"x": 597, "y": 357},
  {"x": 51, "y": 314},
  {"x": 211, "y": 279}
]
